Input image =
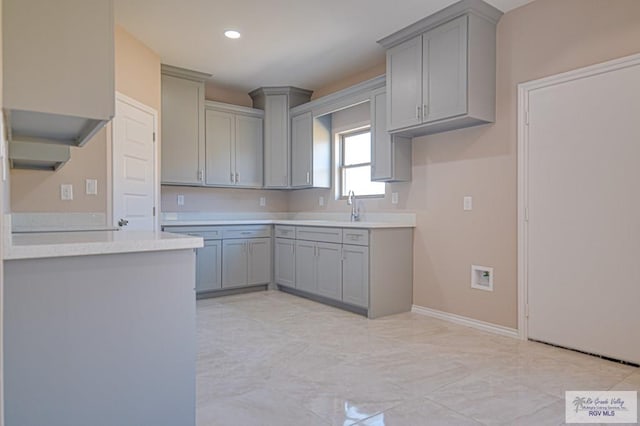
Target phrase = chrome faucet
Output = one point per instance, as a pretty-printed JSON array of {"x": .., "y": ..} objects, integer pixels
[{"x": 355, "y": 211}]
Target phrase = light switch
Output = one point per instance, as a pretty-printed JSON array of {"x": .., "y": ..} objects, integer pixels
[
  {"x": 468, "y": 203},
  {"x": 66, "y": 192},
  {"x": 180, "y": 200},
  {"x": 263, "y": 201},
  {"x": 91, "y": 186}
]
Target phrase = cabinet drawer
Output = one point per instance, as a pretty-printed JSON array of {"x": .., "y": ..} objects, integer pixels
[
  {"x": 283, "y": 231},
  {"x": 251, "y": 231},
  {"x": 208, "y": 233},
  {"x": 327, "y": 235},
  {"x": 358, "y": 237}
]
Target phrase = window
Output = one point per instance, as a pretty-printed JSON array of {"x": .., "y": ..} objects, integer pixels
[{"x": 355, "y": 165}]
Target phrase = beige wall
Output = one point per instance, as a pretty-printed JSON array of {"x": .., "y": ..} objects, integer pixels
[
  {"x": 215, "y": 92},
  {"x": 222, "y": 200},
  {"x": 137, "y": 75},
  {"x": 540, "y": 39}
]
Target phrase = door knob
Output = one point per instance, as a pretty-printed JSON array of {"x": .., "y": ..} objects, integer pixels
[{"x": 123, "y": 222}]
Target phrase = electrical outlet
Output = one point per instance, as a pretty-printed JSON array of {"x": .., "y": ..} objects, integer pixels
[
  {"x": 66, "y": 192},
  {"x": 91, "y": 186},
  {"x": 263, "y": 201},
  {"x": 394, "y": 198},
  {"x": 467, "y": 203},
  {"x": 180, "y": 199},
  {"x": 321, "y": 201}
]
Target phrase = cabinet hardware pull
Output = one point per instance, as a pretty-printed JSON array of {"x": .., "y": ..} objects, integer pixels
[
  {"x": 231, "y": 177},
  {"x": 418, "y": 112},
  {"x": 200, "y": 175},
  {"x": 307, "y": 177},
  {"x": 425, "y": 111},
  {"x": 237, "y": 177}
]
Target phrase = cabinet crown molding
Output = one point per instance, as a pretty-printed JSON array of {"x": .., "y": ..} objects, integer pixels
[
  {"x": 280, "y": 90},
  {"x": 463, "y": 7},
  {"x": 221, "y": 106},
  {"x": 184, "y": 73}
]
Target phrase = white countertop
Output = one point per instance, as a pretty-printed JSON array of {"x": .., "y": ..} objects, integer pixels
[
  {"x": 61, "y": 244},
  {"x": 339, "y": 220},
  {"x": 293, "y": 222}
]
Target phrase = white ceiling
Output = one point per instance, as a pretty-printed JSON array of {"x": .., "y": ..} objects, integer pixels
[{"x": 300, "y": 43}]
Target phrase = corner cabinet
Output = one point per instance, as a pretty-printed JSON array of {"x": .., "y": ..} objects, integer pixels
[
  {"x": 183, "y": 140},
  {"x": 310, "y": 151},
  {"x": 233, "y": 145},
  {"x": 390, "y": 154},
  {"x": 441, "y": 71},
  {"x": 276, "y": 102}
]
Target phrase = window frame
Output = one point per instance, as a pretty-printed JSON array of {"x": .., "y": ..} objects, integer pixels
[{"x": 341, "y": 136}]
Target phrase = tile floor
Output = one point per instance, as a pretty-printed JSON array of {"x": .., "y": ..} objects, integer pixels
[{"x": 270, "y": 358}]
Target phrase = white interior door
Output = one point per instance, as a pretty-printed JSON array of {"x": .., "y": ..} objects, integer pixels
[
  {"x": 134, "y": 166},
  {"x": 583, "y": 229}
]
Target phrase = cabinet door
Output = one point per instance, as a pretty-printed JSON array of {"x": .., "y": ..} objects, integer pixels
[
  {"x": 445, "y": 71},
  {"x": 208, "y": 266},
  {"x": 306, "y": 266},
  {"x": 276, "y": 142},
  {"x": 259, "y": 262},
  {"x": 234, "y": 263},
  {"x": 390, "y": 155},
  {"x": 301, "y": 150},
  {"x": 329, "y": 276},
  {"x": 220, "y": 132},
  {"x": 249, "y": 156},
  {"x": 355, "y": 275},
  {"x": 404, "y": 84},
  {"x": 182, "y": 131},
  {"x": 285, "y": 262}
]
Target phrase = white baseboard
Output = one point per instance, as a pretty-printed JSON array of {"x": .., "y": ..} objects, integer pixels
[{"x": 469, "y": 322}]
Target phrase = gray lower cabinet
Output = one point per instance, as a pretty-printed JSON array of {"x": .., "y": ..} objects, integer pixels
[
  {"x": 355, "y": 275},
  {"x": 318, "y": 268},
  {"x": 232, "y": 256},
  {"x": 285, "y": 262},
  {"x": 246, "y": 262},
  {"x": 305, "y": 266},
  {"x": 209, "y": 266},
  {"x": 328, "y": 272}
]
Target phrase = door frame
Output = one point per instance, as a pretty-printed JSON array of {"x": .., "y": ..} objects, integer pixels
[
  {"x": 156, "y": 161},
  {"x": 523, "y": 172}
]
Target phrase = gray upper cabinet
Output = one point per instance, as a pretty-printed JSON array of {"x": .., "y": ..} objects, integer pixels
[
  {"x": 390, "y": 154},
  {"x": 58, "y": 69},
  {"x": 183, "y": 141},
  {"x": 311, "y": 151},
  {"x": 233, "y": 145},
  {"x": 404, "y": 81},
  {"x": 276, "y": 102},
  {"x": 441, "y": 70}
]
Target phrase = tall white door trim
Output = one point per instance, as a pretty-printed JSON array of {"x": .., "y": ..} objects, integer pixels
[
  {"x": 524, "y": 89},
  {"x": 156, "y": 160}
]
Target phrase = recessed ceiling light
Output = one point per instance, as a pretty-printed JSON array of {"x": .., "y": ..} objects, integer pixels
[{"x": 232, "y": 34}]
